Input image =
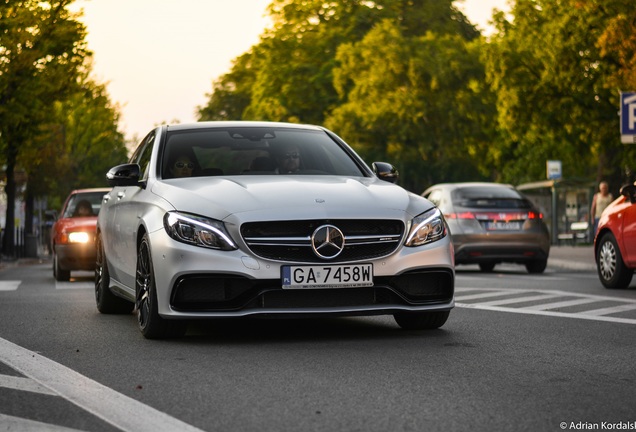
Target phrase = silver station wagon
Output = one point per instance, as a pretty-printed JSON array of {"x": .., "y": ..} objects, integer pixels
[{"x": 258, "y": 219}]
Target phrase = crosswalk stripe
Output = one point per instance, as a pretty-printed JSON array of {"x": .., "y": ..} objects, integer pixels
[
  {"x": 610, "y": 310},
  {"x": 526, "y": 311},
  {"x": 484, "y": 295},
  {"x": 74, "y": 285},
  {"x": 564, "y": 303},
  {"x": 17, "y": 424},
  {"x": 9, "y": 285},
  {"x": 121, "y": 411},
  {"x": 23, "y": 384},
  {"x": 520, "y": 299},
  {"x": 519, "y": 295}
]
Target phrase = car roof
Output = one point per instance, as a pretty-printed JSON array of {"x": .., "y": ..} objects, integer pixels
[
  {"x": 466, "y": 184},
  {"x": 458, "y": 185},
  {"x": 226, "y": 124}
]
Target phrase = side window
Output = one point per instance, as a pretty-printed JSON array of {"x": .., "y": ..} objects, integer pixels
[
  {"x": 143, "y": 153},
  {"x": 435, "y": 197}
]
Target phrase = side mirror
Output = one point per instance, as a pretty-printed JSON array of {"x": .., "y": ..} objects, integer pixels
[
  {"x": 629, "y": 191},
  {"x": 124, "y": 175},
  {"x": 385, "y": 171}
]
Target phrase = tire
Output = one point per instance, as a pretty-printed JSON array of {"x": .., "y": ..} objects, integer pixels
[
  {"x": 486, "y": 267},
  {"x": 421, "y": 320},
  {"x": 59, "y": 273},
  {"x": 612, "y": 271},
  {"x": 107, "y": 302},
  {"x": 536, "y": 266},
  {"x": 151, "y": 325}
]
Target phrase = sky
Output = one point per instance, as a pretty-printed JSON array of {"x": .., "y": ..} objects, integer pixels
[{"x": 159, "y": 58}]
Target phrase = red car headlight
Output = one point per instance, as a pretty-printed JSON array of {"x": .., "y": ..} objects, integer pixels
[{"x": 78, "y": 237}]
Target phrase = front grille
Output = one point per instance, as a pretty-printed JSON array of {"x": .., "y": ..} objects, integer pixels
[{"x": 290, "y": 241}]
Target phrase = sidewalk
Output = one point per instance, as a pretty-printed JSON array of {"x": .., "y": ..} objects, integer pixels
[
  {"x": 572, "y": 257},
  {"x": 17, "y": 262}
]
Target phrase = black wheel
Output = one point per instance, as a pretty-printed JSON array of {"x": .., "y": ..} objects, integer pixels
[
  {"x": 152, "y": 326},
  {"x": 421, "y": 320},
  {"x": 107, "y": 302},
  {"x": 58, "y": 272},
  {"x": 612, "y": 271},
  {"x": 486, "y": 267},
  {"x": 536, "y": 266}
]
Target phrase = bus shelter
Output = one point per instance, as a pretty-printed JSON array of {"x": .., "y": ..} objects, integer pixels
[{"x": 565, "y": 205}]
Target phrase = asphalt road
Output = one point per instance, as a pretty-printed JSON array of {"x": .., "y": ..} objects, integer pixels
[{"x": 505, "y": 361}]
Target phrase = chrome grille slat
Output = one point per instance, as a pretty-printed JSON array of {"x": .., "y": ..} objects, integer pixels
[{"x": 364, "y": 239}]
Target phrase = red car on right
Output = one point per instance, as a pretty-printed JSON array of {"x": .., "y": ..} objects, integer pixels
[{"x": 615, "y": 241}]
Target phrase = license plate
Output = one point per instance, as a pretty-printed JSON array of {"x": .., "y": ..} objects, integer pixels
[
  {"x": 327, "y": 276},
  {"x": 506, "y": 226}
]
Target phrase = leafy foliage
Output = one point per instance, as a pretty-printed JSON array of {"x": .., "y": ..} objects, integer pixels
[
  {"x": 55, "y": 124},
  {"x": 554, "y": 96},
  {"x": 412, "y": 82}
]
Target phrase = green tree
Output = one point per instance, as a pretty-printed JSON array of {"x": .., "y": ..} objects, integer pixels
[
  {"x": 363, "y": 68},
  {"x": 232, "y": 92},
  {"x": 555, "y": 87},
  {"x": 416, "y": 96},
  {"x": 76, "y": 147},
  {"x": 41, "y": 50}
]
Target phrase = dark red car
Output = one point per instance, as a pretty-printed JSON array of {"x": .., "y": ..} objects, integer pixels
[
  {"x": 615, "y": 241},
  {"x": 73, "y": 234}
]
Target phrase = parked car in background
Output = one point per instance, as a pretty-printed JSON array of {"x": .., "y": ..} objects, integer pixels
[
  {"x": 615, "y": 241},
  {"x": 73, "y": 234},
  {"x": 491, "y": 223},
  {"x": 258, "y": 219}
]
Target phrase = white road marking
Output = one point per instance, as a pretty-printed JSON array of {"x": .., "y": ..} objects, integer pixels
[
  {"x": 74, "y": 285},
  {"x": 9, "y": 285},
  {"x": 17, "y": 424},
  {"x": 114, "y": 408},
  {"x": 24, "y": 384},
  {"x": 547, "y": 313},
  {"x": 484, "y": 295},
  {"x": 569, "y": 299},
  {"x": 611, "y": 310},
  {"x": 565, "y": 303},
  {"x": 520, "y": 299}
]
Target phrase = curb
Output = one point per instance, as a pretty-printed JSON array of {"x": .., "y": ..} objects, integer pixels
[{"x": 571, "y": 265}]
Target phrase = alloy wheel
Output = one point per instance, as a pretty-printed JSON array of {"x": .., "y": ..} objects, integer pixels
[
  {"x": 143, "y": 285},
  {"x": 99, "y": 269},
  {"x": 607, "y": 260}
]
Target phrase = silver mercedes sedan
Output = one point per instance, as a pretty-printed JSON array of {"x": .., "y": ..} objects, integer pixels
[{"x": 258, "y": 219}]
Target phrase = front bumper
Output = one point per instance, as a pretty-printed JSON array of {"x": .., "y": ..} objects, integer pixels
[
  {"x": 76, "y": 256},
  {"x": 194, "y": 282},
  {"x": 473, "y": 249}
]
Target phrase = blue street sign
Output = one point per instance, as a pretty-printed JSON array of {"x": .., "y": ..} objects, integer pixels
[{"x": 628, "y": 118}]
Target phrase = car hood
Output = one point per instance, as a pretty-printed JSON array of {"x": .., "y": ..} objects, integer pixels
[
  {"x": 87, "y": 224},
  {"x": 290, "y": 197}
]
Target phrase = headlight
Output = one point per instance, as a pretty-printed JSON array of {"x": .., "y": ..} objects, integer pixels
[
  {"x": 78, "y": 237},
  {"x": 198, "y": 231},
  {"x": 426, "y": 228}
]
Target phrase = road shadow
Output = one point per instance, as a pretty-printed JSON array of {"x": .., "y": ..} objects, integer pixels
[{"x": 289, "y": 330}]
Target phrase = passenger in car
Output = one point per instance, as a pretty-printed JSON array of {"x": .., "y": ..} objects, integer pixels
[
  {"x": 182, "y": 166},
  {"x": 83, "y": 209},
  {"x": 288, "y": 159}
]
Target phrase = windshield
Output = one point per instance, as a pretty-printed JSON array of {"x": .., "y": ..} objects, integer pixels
[
  {"x": 254, "y": 151},
  {"x": 489, "y": 197},
  {"x": 84, "y": 204}
]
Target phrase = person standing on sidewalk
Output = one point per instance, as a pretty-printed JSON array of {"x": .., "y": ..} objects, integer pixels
[{"x": 600, "y": 201}]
